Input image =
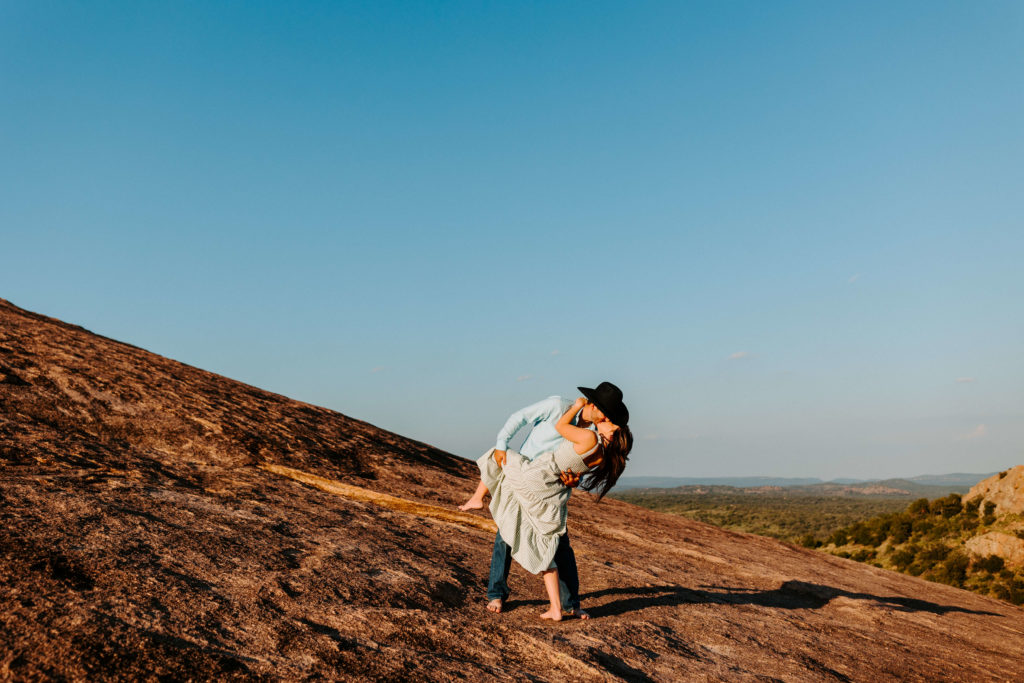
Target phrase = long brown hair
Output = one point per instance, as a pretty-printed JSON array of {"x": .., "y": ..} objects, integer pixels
[{"x": 613, "y": 461}]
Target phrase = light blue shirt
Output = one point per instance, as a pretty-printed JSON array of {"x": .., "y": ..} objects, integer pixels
[{"x": 542, "y": 417}]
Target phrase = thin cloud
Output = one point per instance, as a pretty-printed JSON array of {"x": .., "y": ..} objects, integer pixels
[
  {"x": 524, "y": 378},
  {"x": 978, "y": 432},
  {"x": 964, "y": 380},
  {"x": 739, "y": 354},
  {"x": 853, "y": 278},
  {"x": 379, "y": 368},
  {"x": 556, "y": 352}
]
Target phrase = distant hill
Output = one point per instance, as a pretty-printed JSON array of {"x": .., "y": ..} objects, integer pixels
[
  {"x": 924, "y": 485},
  {"x": 958, "y": 479},
  {"x": 738, "y": 482},
  {"x": 881, "y": 487}
]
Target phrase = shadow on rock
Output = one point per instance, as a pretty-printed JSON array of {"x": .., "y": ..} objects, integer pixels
[{"x": 790, "y": 595}]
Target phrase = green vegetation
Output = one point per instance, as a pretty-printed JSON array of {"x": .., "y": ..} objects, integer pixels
[
  {"x": 923, "y": 538},
  {"x": 780, "y": 513},
  {"x": 927, "y": 540}
]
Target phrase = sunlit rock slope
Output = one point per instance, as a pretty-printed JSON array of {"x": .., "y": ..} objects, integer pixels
[{"x": 162, "y": 522}]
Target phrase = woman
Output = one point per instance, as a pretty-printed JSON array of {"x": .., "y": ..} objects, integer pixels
[{"x": 529, "y": 503}]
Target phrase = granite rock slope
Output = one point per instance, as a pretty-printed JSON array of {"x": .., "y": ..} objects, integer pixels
[
  {"x": 1004, "y": 490},
  {"x": 165, "y": 523}
]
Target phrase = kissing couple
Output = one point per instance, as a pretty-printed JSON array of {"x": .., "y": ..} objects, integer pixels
[{"x": 584, "y": 443}]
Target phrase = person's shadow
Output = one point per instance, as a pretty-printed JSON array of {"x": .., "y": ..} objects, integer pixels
[{"x": 790, "y": 595}]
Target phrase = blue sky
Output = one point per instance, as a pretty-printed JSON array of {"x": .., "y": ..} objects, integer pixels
[{"x": 791, "y": 232}]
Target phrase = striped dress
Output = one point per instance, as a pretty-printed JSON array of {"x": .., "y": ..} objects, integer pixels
[{"x": 529, "y": 503}]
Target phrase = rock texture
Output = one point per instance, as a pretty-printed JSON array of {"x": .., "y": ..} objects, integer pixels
[
  {"x": 1005, "y": 490},
  {"x": 161, "y": 522},
  {"x": 1009, "y": 547}
]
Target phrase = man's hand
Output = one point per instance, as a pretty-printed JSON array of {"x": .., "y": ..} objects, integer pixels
[
  {"x": 570, "y": 478},
  {"x": 499, "y": 457}
]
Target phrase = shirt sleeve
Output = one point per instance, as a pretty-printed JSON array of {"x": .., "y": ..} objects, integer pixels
[{"x": 532, "y": 414}]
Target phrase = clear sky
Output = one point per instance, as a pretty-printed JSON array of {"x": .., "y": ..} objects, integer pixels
[{"x": 790, "y": 231}]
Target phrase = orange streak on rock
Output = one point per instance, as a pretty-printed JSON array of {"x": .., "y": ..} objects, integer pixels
[{"x": 393, "y": 502}]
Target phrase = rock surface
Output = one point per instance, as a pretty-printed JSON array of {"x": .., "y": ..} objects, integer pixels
[
  {"x": 1006, "y": 546},
  {"x": 1005, "y": 490},
  {"x": 161, "y": 522}
]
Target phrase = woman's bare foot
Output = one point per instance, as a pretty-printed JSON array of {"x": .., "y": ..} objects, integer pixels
[
  {"x": 495, "y": 605},
  {"x": 552, "y": 614},
  {"x": 476, "y": 501}
]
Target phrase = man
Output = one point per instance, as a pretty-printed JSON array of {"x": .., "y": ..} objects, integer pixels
[{"x": 603, "y": 403}]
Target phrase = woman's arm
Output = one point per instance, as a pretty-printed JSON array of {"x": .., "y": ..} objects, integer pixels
[{"x": 578, "y": 435}]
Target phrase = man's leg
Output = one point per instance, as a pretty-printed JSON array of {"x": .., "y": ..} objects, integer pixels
[
  {"x": 568, "y": 578},
  {"x": 497, "y": 583}
]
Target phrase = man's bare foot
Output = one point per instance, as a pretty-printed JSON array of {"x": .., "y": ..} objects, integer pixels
[
  {"x": 552, "y": 614},
  {"x": 580, "y": 613},
  {"x": 495, "y": 605},
  {"x": 472, "y": 504}
]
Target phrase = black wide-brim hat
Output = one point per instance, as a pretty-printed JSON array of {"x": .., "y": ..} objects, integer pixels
[{"x": 608, "y": 398}]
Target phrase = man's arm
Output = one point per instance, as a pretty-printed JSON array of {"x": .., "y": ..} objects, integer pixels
[
  {"x": 532, "y": 414},
  {"x": 569, "y": 478}
]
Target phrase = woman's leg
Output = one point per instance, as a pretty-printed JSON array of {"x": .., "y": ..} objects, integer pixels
[
  {"x": 477, "y": 500},
  {"x": 490, "y": 468},
  {"x": 551, "y": 584}
]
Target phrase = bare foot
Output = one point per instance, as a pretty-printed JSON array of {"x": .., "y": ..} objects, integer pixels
[
  {"x": 552, "y": 614},
  {"x": 581, "y": 613},
  {"x": 495, "y": 605},
  {"x": 472, "y": 504}
]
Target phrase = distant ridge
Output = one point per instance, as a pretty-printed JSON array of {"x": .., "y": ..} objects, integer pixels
[
  {"x": 955, "y": 479},
  {"x": 959, "y": 482},
  {"x": 738, "y": 482}
]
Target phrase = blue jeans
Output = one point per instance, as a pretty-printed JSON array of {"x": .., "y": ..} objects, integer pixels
[{"x": 565, "y": 560}]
